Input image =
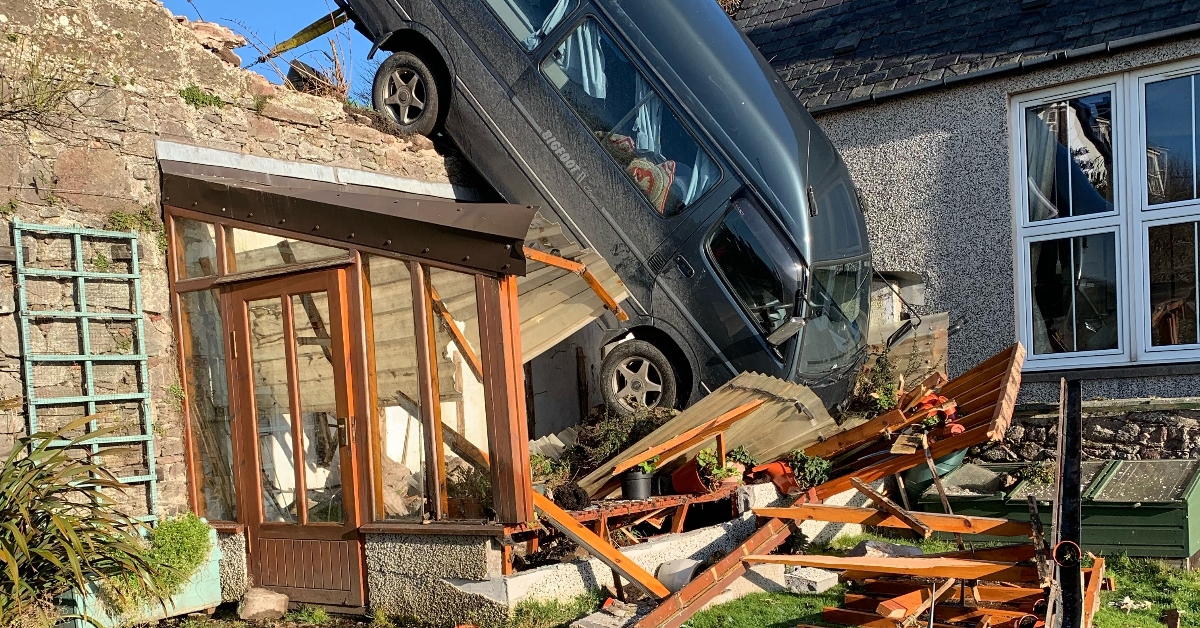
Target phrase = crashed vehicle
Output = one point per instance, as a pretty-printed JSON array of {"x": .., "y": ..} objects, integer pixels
[{"x": 658, "y": 135}]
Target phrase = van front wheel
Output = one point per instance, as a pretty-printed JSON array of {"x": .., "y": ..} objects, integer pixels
[
  {"x": 406, "y": 92},
  {"x": 635, "y": 373}
]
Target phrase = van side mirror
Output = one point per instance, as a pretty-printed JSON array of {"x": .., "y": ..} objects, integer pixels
[{"x": 900, "y": 334}]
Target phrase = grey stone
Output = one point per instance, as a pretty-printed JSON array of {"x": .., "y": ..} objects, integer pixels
[
  {"x": 810, "y": 580},
  {"x": 881, "y": 549},
  {"x": 262, "y": 605}
]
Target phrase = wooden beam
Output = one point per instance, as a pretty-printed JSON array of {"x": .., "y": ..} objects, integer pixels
[
  {"x": 689, "y": 439},
  {"x": 678, "y": 518},
  {"x": 1091, "y": 592},
  {"x": 988, "y": 594},
  {"x": 940, "y": 593},
  {"x": 1003, "y": 553},
  {"x": 895, "y": 510},
  {"x": 581, "y": 270},
  {"x": 862, "y": 619},
  {"x": 465, "y": 448},
  {"x": 908, "y": 604},
  {"x": 871, "y": 517},
  {"x": 599, "y": 548},
  {"x": 909, "y": 566},
  {"x": 844, "y": 441},
  {"x": 456, "y": 334}
]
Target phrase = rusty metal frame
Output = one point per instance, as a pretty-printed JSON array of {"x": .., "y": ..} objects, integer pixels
[{"x": 582, "y": 270}]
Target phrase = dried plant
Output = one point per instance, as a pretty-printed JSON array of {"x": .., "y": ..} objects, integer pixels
[{"x": 35, "y": 87}]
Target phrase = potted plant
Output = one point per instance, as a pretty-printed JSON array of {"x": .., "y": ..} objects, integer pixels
[
  {"x": 741, "y": 459},
  {"x": 469, "y": 493},
  {"x": 809, "y": 471},
  {"x": 636, "y": 482}
]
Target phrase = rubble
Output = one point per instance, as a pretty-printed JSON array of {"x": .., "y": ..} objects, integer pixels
[{"x": 219, "y": 39}]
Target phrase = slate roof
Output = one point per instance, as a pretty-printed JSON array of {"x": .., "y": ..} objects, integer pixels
[{"x": 838, "y": 52}]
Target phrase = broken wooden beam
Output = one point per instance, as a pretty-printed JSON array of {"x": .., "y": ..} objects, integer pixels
[
  {"x": 599, "y": 547},
  {"x": 862, "y": 619},
  {"x": 962, "y": 524},
  {"x": 1091, "y": 591},
  {"x": 689, "y": 439},
  {"x": 858, "y": 435},
  {"x": 913, "y": 603},
  {"x": 895, "y": 510},
  {"x": 912, "y": 566},
  {"x": 1023, "y": 597}
]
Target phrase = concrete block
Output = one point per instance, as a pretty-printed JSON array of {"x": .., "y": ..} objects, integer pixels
[
  {"x": 674, "y": 574},
  {"x": 881, "y": 549},
  {"x": 262, "y": 605},
  {"x": 809, "y": 579}
]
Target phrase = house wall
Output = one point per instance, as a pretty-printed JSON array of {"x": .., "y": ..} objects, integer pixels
[{"x": 933, "y": 168}]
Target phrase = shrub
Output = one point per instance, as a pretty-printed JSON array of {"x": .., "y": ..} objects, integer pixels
[
  {"x": 810, "y": 471},
  {"x": 742, "y": 455},
  {"x": 610, "y": 433},
  {"x": 178, "y": 547},
  {"x": 59, "y": 527}
]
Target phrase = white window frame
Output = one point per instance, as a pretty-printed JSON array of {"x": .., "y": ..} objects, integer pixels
[{"x": 1131, "y": 220}]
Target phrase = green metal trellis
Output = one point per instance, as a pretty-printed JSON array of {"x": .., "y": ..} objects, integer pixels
[{"x": 87, "y": 359}]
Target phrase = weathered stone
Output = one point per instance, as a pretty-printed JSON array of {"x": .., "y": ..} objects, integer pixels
[
  {"x": 93, "y": 178},
  {"x": 285, "y": 113},
  {"x": 810, "y": 580},
  {"x": 880, "y": 549},
  {"x": 262, "y": 605}
]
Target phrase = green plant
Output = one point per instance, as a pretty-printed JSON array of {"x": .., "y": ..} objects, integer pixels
[
  {"x": 260, "y": 103},
  {"x": 609, "y": 433},
  {"x": 553, "y": 473},
  {"x": 177, "y": 396},
  {"x": 178, "y": 546},
  {"x": 9, "y": 208},
  {"x": 467, "y": 482},
  {"x": 308, "y": 615},
  {"x": 143, "y": 221},
  {"x": 648, "y": 466},
  {"x": 101, "y": 262},
  {"x": 711, "y": 471},
  {"x": 554, "y": 613},
  {"x": 59, "y": 526},
  {"x": 809, "y": 470},
  {"x": 199, "y": 98},
  {"x": 1039, "y": 473},
  {"x": 380, "y": 619},
  {"x": 13, "y": 38},
  {"x": 883, "y": 385},
  {"x": 742, "y": 455}
]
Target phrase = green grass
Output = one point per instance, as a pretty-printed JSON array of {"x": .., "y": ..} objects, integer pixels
[
  {"x": 768, "y": 610},
  {"x": 554, "y": 614},
  {"x": 844, "y": 544},
  {"x": 1146, "y": 579},
  {"x": 309, "y": 615}
]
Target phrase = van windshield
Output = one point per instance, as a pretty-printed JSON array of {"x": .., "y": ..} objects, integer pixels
[{"x": 836, "y": 334}]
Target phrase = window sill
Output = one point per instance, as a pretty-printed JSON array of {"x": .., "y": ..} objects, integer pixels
[
  {"x": 227, "y": 527},
  {"x": 1113, "y": 372},
  {"x": 433, "y": 528}
]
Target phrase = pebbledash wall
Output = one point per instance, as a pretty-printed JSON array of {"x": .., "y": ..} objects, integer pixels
[
  {"x": 934, "y": 169},
  {"x": 125, "y": 64}
]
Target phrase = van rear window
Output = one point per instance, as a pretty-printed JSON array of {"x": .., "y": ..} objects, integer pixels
[
  {"x": 531, "y": 20},
  {"x": 627, "y": 116}
]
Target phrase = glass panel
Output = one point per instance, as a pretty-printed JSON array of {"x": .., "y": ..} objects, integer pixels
[
  {"x": 1170, "y": 148},
  {"x": 1074, "y": 287},
  {"x": 318, "y": 407},
  {"x": 399, "y": 445},
  {"x": 271, "y": 409},
  {"x": 837, "y": 329},
  {"x": 531, "y": 20},
  {"x": 1069, "y": 157},
  {"x": 250, "y": 250},
  {"x": 208, "y": 402},
  {"x": 460, "y": 383},
  {"x": 749, "y": 263},
  {"x": 1138, "y": 481},
  {"x": 632, "y": 123},
  {"x": 196, "y": 252},
  {"x": 1172, "y": 257}
]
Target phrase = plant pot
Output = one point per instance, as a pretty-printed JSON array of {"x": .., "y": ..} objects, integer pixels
[
  {"x": 918, "y": 478},
  {"x": 781, "y": 476},
  {"x": 686, "y": 479},
  {"x": 636, "y": 485},
  {"x": 661, "y": 485}
]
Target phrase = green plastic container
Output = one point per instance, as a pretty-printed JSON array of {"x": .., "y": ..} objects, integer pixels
[
  {"x": 201, "y": 593},
  {"x": 918, "y": 478}
]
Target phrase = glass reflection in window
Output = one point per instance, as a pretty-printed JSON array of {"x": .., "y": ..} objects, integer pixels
[
  {"x": 208, "y": 402},
  {"x": 1174, "y": 275},
  {"x": 1074, "y": 288},
  {"x": 531, "y": 20},
  {"x": 1171, "y": 140},
  {"x": 1069, "y": 157},
  {"x": 250, "y": 250},
  {"x": 196, "y": 251}
]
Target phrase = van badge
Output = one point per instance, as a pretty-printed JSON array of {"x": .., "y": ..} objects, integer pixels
[{"x": 563, "y": 156}]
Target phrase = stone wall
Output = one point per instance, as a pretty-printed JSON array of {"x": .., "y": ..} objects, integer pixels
[
  {"x": 115, "y": 74},
  {"x": 1125, "y": 430}
]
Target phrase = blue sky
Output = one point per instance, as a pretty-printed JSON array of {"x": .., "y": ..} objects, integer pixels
[{"x": 275, "y": 20}]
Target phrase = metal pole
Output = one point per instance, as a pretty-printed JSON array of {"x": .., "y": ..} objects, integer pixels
[{"x": 1068, "y": 518}]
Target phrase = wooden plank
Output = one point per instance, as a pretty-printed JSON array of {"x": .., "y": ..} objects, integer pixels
[
  {"x": 677, "y": 519},
  {"x": 895, "y": 510},
  {"x": 862, "y": 619},
  {"x": 456, "y": 334},
  {"x": 1091, "y": 592},
  {"x": 908, "y": 566},
  {"x": 902, "y": 605},
  {"x": 940, "y": 593},
  {"x": 1005, "y": 553},
  {"x": 1008, "y": 397},
  {"x": 562, "y": 520},
  {"x": 990, "y": 594},
  {"x": 465, "y": 448},
  {"x": 672, "y": 448},
  {"x": 843, "y": 442},
  {"x": 868, "y": 516}
]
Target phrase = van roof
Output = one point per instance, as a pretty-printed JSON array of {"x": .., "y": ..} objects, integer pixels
[{"x": 768, "y": 132}]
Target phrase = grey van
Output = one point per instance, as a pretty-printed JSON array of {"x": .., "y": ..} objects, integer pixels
[{"x": 656, "y": 133}]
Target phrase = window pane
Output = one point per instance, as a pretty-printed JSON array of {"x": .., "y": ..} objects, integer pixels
[
  {"x": 1074, "y": 287},
  {"x": 460, "y": 384},
  {"x": 272, "y": 410},
  {"x": 250, "y": 250},
  {"x": 744, "y": 257},
  {"x": 631, "y": 121},
  {"x": 841, "y": 302},
  {"x": 399, "y": 447},
  {"x": 196, "y": 255},
  {"x": 208, "y": 402},
  {"x": 1172, "y": 258},
  {"x": 1069, "y": 157},
  {"x": 318, "y": 407},
  {"x": 531, "y": 20},
  {"x": 1170, "y": 172}
]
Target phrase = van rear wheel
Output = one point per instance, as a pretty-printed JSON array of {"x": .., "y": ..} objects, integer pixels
[
  {"x": 635, "y": 373},
  {"x": 406, "y": 92}
]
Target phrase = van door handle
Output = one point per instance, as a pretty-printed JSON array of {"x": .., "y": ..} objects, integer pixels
[{"x": 684, "y": 266}]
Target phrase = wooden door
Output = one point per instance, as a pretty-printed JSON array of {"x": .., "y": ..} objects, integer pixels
[{"x": 299, "y": 478}]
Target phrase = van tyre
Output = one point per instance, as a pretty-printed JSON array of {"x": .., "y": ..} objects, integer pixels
[
  {"x": 405, "y": 91},
  {"x": 635, "y": 373}
]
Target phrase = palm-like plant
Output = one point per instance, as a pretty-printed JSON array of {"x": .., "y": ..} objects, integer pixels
[{"x": 59, "y": 528}]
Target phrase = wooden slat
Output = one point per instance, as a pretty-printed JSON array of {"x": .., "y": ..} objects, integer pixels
[
  {"x": 959, "y": 524},
  {"x": 947, "y": 610},
  {"x": 968, "y": 379},
  {"x": 916, "y": 567},
  {"x": 863, "y": 619},
  {"x": 562, "y": 520},
  {"x": 843, "y": 442},
  {"x": 987, "y": 593},
  {"x": 1091, "y": 592},
  {"x": 896, "y": 511},
  {"x": 1003, "y": 553},
  {"x": 674, "y": 447}
]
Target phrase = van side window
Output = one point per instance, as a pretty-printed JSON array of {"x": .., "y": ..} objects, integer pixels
[
  {"x": 757, "y": 265},
  {"x": 629, "y": 119},
  {"x": 530, "y": 20}
]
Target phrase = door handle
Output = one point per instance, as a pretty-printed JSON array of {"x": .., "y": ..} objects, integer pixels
[
  {"x": 684, "y": 266},
  {"x": 343, "y": 432}
]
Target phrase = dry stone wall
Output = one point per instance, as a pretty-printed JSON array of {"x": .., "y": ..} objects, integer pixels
[{"x": 86, "y": 88}]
